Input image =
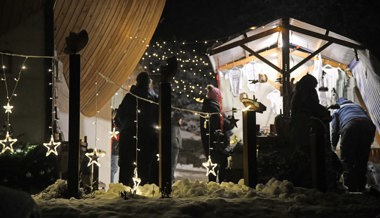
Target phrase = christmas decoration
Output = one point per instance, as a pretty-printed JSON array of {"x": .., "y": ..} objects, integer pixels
[
  {"x": 7, "y": 143},
  {"x": 8, "y": 108},
  {"x": 136, "y": 180},
  {"x": 114, "y": 133},
  {"x": 210, "y": 166},
  {"x": 52, "y": 146},
  {"x": 94, "y": 157}
]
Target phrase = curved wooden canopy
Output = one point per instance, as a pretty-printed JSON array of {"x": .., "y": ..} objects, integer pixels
[{"x": 119, "y": 32}]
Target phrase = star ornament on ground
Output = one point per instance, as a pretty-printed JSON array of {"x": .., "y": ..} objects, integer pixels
[
  {"x": 52, "y": 146},
  {"x": 114, "y": 133},
  {"x": 8, "y": 108},
  {"x": 136, "y": 180},
  {"x": 7, "y": 143},
  {"x": 210, "y": 166},
  {"x": 94, "y": 157}
]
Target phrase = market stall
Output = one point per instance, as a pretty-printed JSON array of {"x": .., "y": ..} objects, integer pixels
[{"x": 265, "y": 62}]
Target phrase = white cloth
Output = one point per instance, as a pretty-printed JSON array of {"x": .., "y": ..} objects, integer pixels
[
  {"x": 276, "y": 101},
  {"x": 235, "y": 76},
  {"x": 252, "y": 74}
]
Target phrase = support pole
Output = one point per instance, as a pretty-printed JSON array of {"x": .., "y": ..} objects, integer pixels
[
  {"x": 165, "y": 151},
  {"x": 318, "y": 144},
  {"x": 285, "y": 68},
  {"x": 249, "y": 149},
  {"x": 74, "y": 111}
]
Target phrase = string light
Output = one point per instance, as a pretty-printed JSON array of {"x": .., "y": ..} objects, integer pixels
[
  {"x": 136, "y": 180},
  {"x": 52, "y": 145},
  {"x": 9, "y": 141},
  {"x": 114, "y": 133},
  {"x": 209, "y": 165},
  {"x": 95, "y": 154}
]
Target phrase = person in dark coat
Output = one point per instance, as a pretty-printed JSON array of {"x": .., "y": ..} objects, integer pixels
[
  {"x": 211, "y": 132},
  {"x": 356, "y": 131},
  {"x": 137, "y": 119},
  {"x": 176, "y": 139},
  {"x": 304, "y": 105}
]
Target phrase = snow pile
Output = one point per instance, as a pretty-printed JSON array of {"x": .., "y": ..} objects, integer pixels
[
  {"x": 181, "y": 189},
  {"x": 207, "y": 199}
]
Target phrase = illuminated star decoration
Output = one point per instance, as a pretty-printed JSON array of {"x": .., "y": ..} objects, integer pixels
[
  {"x": 136, "y": 180},
  {"x": 52, "y": 146},
  {"x": 7, "y": 143},
  {"x": 8, "y": 108},
  {"x": 210, "y": 166},
  {"x": 94, "y": 157},
  {"x": 114, "y": 133}
]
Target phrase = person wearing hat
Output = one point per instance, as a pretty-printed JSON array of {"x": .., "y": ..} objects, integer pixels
[
  {"x": 211, "y": 131},
  {"x": 356, "y": 132},
  {"x": 138, "y": 142}
]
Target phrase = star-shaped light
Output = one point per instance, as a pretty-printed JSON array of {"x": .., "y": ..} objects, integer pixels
[
  {"x": 114, "y": 133},
  {"x": 7, "y": 143},
  {"x": 210, "y": 166},
  {"x": 8, "y": 108},
  {"x": 94, "y": 157},
  {"x": 52, "y": 146},
  {"x": 136, "y": 180}
]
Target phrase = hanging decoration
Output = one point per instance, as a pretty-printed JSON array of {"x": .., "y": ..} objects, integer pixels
[
  {"x": 8, "y": 141},
  {"x": 52, "y": 145},
  {"x": 136, "y": 180},
  {"x": 209, "y": 165},
  {"x": 95, "y": 154},
  {"x": 8, "y": 108},
  {"x": 114, "y": 133}
]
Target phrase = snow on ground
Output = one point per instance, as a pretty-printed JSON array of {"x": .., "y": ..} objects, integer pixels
[{"x": 193, "y": 198}]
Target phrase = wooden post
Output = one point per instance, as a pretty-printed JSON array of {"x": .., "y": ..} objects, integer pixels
[
  {"x": 285, "y": 67},
  {"x": 249, "y": 149},
  {"x": 74, "y": 112},
  {"x": 165, "y": 151},
  {"x": 318, "y": 155}
]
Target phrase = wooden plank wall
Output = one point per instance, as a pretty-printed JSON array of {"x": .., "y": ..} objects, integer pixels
[{"x": 119, "y": 32}]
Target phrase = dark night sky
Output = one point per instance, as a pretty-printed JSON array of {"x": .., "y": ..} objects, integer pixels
[{"x": 211, "y": 19}]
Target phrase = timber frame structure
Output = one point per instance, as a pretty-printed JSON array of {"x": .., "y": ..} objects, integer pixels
[{"x": 285, "y": 47}]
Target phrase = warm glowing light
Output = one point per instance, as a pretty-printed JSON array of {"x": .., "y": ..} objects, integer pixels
[
  {"x": 114, "y": 133},
  {"x": 52, "y": 146},
  {"x": 94, "y": 157},
  {"x": 7, "y": 143},
  {"x": 8, "y": 108},
  {"x": 210, "y": 166}
]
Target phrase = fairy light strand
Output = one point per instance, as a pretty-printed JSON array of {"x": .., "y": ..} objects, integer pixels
[
  {"x": 136, "y": 179},
  {"x": 7, "y": 143},
  {"x": 52, "y": 145}
]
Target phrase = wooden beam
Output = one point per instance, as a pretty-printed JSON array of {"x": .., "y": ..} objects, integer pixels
[
  {"x": 325, "y": 37},
  {"x": 310, "y": 56},
  {"x": 261, "y": 58},
  {"x": 247, "y": 60},
  {"x": 243, "y": 41},
  {"x": 324, "y": 60}
]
